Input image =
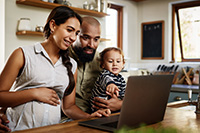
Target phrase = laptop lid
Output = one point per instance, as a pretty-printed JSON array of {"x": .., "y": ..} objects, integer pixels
[{"x": 144, "y": 103}]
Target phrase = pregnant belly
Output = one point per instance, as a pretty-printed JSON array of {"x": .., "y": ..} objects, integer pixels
[{"x": 33, "y": 114}]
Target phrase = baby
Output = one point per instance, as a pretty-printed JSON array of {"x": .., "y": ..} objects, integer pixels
[{"x": 110, "y": 82}]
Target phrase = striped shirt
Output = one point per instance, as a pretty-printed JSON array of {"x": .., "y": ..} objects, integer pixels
[{"x": 105, "y": 78}]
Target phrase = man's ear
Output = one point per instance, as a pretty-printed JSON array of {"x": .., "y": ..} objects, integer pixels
[
  {"x": 52, "y": 25},
  {"x": 102, "y": 66}
]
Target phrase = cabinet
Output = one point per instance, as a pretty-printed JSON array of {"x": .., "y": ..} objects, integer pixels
[
  {"x": 180, "y": 92},
  {"x": 174, "y": 96},
  {"x": 42, "y": 4}
]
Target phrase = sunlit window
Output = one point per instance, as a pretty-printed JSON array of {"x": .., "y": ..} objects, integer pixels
[
  {"x": 111, "y": 27},
  {"x": 187, "y": 32},
  {"x": 114, "y": 26}
]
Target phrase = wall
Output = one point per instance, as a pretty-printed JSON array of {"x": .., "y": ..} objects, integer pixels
[
  {"x": 152, "y": 10},
  {"x": 38, "y": 17},
  {"x": 2, "y": 33},
  {"x": 155, "y": 10},
  {"x": 134, "y": 14}
]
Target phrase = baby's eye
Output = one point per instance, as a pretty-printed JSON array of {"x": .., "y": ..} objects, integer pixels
[
  {"x": 118, "y": 61},
  {"x": 110, "y": 61}
]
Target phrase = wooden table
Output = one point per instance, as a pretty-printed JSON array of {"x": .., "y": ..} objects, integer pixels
[{"x": 174, "y": 117}]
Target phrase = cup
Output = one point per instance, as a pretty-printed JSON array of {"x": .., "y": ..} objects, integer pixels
[
  {"x": 91, "y": 6},
  {"x": 51, "y": 1},
  {"x": 98, "y": 4},
  {"x": 39, "y": 28},
  {"x": 60, "y": 1},
  {"x": 104, "y": 6},
  {"x": 85, "y": 6}
]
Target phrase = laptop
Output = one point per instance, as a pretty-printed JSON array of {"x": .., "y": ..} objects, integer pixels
[{"x": 145, "y": 102}]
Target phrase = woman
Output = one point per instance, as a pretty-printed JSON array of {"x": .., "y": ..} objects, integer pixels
[{"x": 44, "y": 76}]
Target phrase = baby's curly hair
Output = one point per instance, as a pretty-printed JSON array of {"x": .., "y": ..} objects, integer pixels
[{"x": 102, "y": 54}]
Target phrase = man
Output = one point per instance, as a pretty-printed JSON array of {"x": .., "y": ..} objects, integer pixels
[
  {"x": 3, "y": 122},
  {"x": 84, "y": 52}
]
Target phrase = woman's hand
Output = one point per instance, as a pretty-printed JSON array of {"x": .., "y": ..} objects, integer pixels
[
  {"x": 101, "y": 112},
  {"x": 46, "y": 95}
]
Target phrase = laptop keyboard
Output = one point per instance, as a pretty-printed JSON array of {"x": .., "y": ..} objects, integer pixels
[{"x": 111, "y": 124}]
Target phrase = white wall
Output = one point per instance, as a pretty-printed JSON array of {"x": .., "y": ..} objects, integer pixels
[
  {"x": 2, "y": 34},
  {"x": 38, "y": 17},
  {"x": 155, "y": 10},
  {"x": 134, "y": 14},
  {"x": 148, "y": 11}
]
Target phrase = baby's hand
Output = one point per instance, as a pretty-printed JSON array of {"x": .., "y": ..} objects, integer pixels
[{"x": 111, "y": 89}]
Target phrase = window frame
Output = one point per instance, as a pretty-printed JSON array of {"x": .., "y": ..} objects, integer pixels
[
  {"x": 119, "y": 24},
  {"x": 175, "y": 15}
]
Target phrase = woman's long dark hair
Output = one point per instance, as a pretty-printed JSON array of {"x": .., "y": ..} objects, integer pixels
[{"x": 60, "y": 15}]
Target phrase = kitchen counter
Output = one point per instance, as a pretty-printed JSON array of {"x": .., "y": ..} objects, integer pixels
[
  {"x": 180, "y": 119},
  {"x": 180, "y": 92},
  {"x": 184, "y": 88}
]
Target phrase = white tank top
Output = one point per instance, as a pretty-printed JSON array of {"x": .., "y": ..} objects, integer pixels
[{"x": 39, "y": 71}]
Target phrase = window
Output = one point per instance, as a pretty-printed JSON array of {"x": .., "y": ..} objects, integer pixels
[
  {"x": 114, "y": 26},
  {"x": 186, "y": 32}
]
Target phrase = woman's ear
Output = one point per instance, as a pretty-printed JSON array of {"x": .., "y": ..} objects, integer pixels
[{"x": 52, "y": 25}]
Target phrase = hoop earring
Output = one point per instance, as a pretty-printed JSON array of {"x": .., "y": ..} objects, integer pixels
[{"x": 51, "y": 32}]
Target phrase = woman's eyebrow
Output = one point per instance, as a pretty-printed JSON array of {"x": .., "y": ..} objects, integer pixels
[{"x": 71, "y": 27}]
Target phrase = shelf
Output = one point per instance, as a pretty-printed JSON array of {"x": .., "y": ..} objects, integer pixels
[
  {"x": 35, "y": 33},
  {"x": 32, "y": 33},
  {"x": 42, "y": 4},
  {"x": 104, "y": 39}
]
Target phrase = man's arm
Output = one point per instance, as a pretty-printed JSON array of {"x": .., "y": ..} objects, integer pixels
[
  {"x": 3, "y": 121},
  {"x": 114, "y": 104}
]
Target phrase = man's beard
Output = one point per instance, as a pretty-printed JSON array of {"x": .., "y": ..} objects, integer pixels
[{"x": 84, "y": 57}]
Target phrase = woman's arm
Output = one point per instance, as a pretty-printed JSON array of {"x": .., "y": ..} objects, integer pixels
[
  {"x": 8, "y": 76},
  {"x": 69, "y": 107},
  {"x": 74, "y": 112}
]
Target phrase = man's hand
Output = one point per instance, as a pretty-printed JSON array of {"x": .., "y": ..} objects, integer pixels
[
  {"x": 113, "y": 104},
  {"x": 101, "y": 112},
  {"x": 3, "y": 120}
]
